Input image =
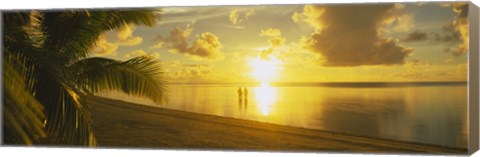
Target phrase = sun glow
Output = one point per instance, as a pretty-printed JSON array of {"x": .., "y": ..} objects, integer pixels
[
  {"x": 265, "y": 70},
  {"x": 266, "y": 97}
]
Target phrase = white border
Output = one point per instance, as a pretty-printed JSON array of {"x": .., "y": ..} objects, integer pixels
[{"x": 74, "y": 152}]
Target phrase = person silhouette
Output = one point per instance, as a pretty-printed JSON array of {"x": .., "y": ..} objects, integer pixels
[
  {"x": 245, "y": 93},
  {"x": 245, "y": 97},
  {"x": 239, "y": 91}
]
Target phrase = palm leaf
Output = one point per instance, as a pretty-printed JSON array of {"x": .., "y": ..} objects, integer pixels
[
  {"x": 69, "y": 120},
  {"x": 41, "y": 92},
  {"x": 140, "y": 76},
  {"x": 17, "y": 37},
  {"x": 70, "y": 35},
  {"x": 63, "y": 117},
  {"x": 23, "y": 114},
  {"x": 67, "y": 115}
]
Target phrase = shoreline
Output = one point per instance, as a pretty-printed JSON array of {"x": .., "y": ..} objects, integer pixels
[
  {"x": 335, "y": 84},
  {"x": 118, "y": 123}
]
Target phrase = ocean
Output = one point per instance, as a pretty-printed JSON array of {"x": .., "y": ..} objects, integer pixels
[{"x": 430, "y": 113}]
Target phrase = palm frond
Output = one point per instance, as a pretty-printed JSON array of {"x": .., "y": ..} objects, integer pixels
[
  {"x": 68, "y": 120},
  {"x": 70, "y": 35},
  {"x": 140, "y": 76},
  {"x": 23, "y": 113},
  {"x": 67, "y": 115},
  {"x": 136, "y": 17},
  {"x": 16, "y": 37},
  {"x": 41, "y": 96}
]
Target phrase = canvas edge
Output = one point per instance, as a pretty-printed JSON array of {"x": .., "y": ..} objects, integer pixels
[
  {"x": 473, "y": 107},
  {"x": 1, "y": 77},
  {"x": 474, "y": 68}
]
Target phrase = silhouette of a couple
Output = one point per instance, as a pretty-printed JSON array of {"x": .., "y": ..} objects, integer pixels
[{"x": 242, "y": 95}]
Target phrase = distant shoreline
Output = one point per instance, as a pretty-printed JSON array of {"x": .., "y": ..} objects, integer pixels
[
  {"x": 122, "y": 124},
  {"x": 336, "y": 84}
]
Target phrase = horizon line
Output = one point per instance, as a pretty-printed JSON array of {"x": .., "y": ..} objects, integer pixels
[
  {"x": 335, "y": 84},
  {"x": 307, "y": 82}
]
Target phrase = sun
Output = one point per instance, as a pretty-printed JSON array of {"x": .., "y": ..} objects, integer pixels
[{"x": 265, "y": 70}]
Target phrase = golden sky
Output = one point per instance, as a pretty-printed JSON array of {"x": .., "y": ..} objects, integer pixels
[{"x": 302, "y": 43}]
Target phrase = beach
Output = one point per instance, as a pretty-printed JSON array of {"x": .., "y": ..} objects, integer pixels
[{"x": 119, "y": 124}]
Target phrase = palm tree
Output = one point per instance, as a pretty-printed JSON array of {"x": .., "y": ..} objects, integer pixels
[{"x": 48, "y": 73}]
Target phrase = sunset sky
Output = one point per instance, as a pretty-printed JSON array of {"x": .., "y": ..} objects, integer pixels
[{"x": 302, "y": 43}]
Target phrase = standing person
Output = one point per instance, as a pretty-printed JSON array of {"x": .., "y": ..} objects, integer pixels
[
  {"x": 239, "y": 91},
  {"x": 245, "y": 93}
]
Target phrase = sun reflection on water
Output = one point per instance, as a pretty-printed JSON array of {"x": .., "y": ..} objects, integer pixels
[{"x": 266, "y": 97}]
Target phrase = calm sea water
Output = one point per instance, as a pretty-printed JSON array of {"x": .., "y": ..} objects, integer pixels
[{"x": 425, "y": 113}]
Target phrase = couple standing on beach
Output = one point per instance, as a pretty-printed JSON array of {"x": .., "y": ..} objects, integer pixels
[{"x": 242, "y": 95}]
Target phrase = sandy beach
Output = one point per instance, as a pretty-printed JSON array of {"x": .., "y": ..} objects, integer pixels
[{"x": 121, "y": 124}]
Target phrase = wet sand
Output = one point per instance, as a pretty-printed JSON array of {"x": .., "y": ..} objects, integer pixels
[{"x": 120, "y": 124}]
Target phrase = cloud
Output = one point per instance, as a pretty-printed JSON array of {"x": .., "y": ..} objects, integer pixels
[
  {"x": 461, "y": 25},
  {"x": 155, "y": 55},
  {"x": 403, "y": 22},
  {"x": 419, "y": 4},
  {"x": 131, "y": 41},
  {"x": 125, "y": 36},
  {"x": 449, "y": 35},
  {"x": 348, "y": 35},
  {"x": 177, "y": 40},
  {"x": 275, "y": 35},
  {"x": 175, "y": 70},
  {"x": 275, "y": 40},
  {"x": 157, "y": 45},
  {"x": 235, "y": 16},
  {"x": 103, "y": 47},
  {"x": 232, "y": 26},
  {"x": 179, "y": 72},
  {"x": 176, "y": 15},
  {"x": 173, "y": 15},
  {"x": 265, "y": 54},
  {"x": 134, "y": 53},
  {"x": 413, "y": 69},
  {"x": 137, "y": 53},
  {"x": 455, "y": 31},
  {"x": 205, "y": 46},
  {"x": 415, "y": 36},
  {"x": 125, "y": 32},
  {"x": 271, "y": 32},
  {"x": 309, "y": 16}
]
